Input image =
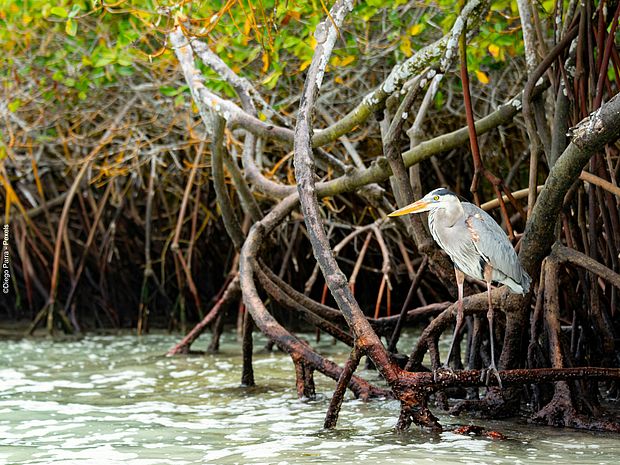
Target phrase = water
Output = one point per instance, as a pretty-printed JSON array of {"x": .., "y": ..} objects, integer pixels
[{"x": 116, "y": 400}]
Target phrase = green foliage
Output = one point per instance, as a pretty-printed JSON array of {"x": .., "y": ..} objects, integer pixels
[
  {"x": 76, "y": 46},
  {"x": 67, "y": 47},
  {"x": 499, "y": 37}
]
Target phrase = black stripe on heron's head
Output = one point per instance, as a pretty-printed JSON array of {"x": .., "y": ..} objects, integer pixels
[{"x": 443, "y": 191}]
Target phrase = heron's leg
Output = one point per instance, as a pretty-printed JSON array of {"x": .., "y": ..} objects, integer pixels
[
  {"x": 460, "y": 278},
  {"x": 490, "y": 315}
]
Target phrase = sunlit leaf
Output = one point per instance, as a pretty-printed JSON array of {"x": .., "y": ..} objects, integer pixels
[
  {"x": 416, "y": 29},
  {"x": 344, "y": 61},
  {"x": 405, "y": 46},
  {"x": 312, "y": 42},
  {"x": 494, "y": 50},
  {"x": 482, "y": 77},
  {"x": 347, "y": 60},
  {"x": 272, "y": 79},
  {"x": 59, "y": 11},
  {"x": 265, "y": 59},
  {"x": 71, "y": 27},
  {"x": 14, "y": 105}
]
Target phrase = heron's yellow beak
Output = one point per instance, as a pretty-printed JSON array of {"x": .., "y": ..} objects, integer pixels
[{"x": 414, "y": 207}]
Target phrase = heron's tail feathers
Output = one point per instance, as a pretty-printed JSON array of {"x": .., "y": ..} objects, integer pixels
[{"x": 519, "y": 287}]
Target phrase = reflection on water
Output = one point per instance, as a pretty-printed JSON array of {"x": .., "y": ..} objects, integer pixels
[{"x": 116, "y": 400}]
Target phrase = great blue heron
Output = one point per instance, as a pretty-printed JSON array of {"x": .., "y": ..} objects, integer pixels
[{"x": 477, "y": 246}]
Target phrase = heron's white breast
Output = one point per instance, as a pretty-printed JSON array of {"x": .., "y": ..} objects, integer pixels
[{"x": 457, "y": 242}]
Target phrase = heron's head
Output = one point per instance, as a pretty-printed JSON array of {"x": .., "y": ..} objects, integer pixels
[{"x": 438, "y": 198}]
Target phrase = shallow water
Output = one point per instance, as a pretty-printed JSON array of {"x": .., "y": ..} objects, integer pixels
[{"x": 116, "y": 400}]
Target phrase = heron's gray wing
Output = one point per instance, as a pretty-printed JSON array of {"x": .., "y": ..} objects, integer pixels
[{"x": 493, "y": 245}]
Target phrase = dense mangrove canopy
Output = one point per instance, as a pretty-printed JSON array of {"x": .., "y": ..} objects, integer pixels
[{"x": 183, "y": 165}]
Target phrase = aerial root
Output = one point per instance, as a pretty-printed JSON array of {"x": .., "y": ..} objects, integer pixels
[
  {"x": 414, "y": 409},
  {"x": 498, "y": 403},
  {"x": 561, "y": 412}
]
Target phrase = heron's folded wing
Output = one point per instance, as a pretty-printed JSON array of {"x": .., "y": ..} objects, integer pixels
[{"x": 492, "y": 243}]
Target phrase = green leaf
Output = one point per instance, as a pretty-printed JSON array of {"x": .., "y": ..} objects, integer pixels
[
  {"x": 74, "y": 11},
  {"x": 125, "y": 70},
  {"x": 103, "y": 61},
  {"x": 71, "y": 27},
  {"x": 271, "y": 80},
  {"x": 179, "y": 100},
  {"x": 59, "y": 11},
  {"x": 169, "y": 91},
  {"x": 124, "y": 61},
  {"x": 14, "y": 105},
  {"x": 439, "y": 100}
]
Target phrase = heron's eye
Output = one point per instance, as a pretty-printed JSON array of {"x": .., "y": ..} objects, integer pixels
[{"x": 436, "y": 198}]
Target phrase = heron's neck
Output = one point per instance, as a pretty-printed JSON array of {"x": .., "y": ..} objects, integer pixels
[{"x": 450, "y": 214}]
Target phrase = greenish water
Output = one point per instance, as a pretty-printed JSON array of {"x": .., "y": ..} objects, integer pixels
[{"x": 116, "y": 400}]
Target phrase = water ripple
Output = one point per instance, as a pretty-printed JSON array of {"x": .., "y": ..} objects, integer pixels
[{"x": 116, "y": 400}]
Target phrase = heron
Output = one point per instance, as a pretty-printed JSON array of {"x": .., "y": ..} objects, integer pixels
[{"x": 477, "y": 246}]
